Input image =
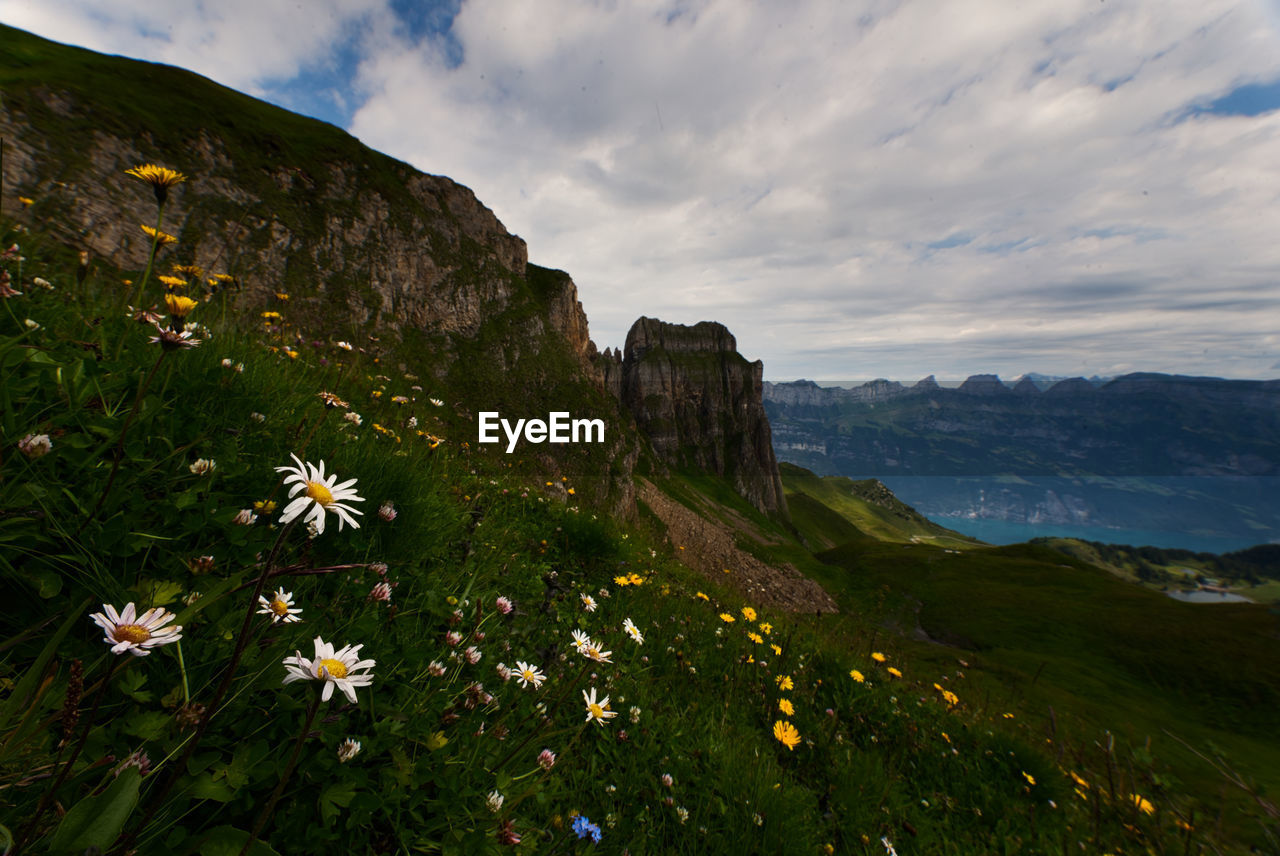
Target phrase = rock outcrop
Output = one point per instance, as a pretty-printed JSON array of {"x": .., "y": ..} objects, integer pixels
[{"x": 700, "y": 403}]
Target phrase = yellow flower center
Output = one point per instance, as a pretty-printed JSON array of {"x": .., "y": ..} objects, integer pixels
[
  {"x": 135, "y": 633},
  {"x": 596, "y": 710},
  {"x": 336, "y": 668},
  {"x": 317, "y": 491},
  {"x": 279, "y": 607}
]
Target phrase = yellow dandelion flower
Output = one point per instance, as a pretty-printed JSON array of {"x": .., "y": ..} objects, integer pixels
[
  {"x": 946, "y": 737},
  {"x": 26, "y": 201},
  {"x": 857, "y": 676},
  {"x": 635, "y": 579},
  {"x": 179, "y": 306},
  {"x": 877, "y": 656},
  {"x": 1031, "y": 780},
  {"x": 271, "y": 316},
  {"x": 786, "y": 734},
  {"x": 766, "y": 628},
  {"x": 748, "y": 613},
  {"x": 280, "y": 295},
  {"x": 193, "y": 271},
  {"x": 785, "y": 683},
  {"x": 161, "y": 178},
  {"x": 172, "y": 283},
  {"x": 1007, "y": 715},
  {"x": 895, "y": 672},
  {"x": 1079, "y": 781},
  {"x": 950, "y": 698},
  {"x": 727, "y": 618},
  {"x": 162, "y": 238},
  {"x": 786, "y": 707},
  {"x": 777, "y": 650},
  {"x": 756, "y": 638},
  {"x": 1143, "y": 804},
  {"x": 702, "y": 596},
  {"x": 622, "y": 581}
]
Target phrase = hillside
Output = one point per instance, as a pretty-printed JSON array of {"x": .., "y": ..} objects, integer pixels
[{"x": 397, "y": 639}]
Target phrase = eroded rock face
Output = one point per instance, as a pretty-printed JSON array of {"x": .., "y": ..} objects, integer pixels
[{"x": 700, "y": 403}]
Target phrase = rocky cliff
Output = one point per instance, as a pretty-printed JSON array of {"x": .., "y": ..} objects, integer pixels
[{"x": 700, "y": 403}]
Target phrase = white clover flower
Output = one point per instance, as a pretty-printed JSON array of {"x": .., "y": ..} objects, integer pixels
[
  {"x": 245, "y": 517},
  {"x": 137, "y": 634},
  {"x": 341, "y": 668},
  {"x": 318, "y": 495},
  {"x": 347, "y": 750},
  {"x": 353, "y": 417},
  {"x": 494, "y": 801},
  {"x": 35, "y": 445},
  {"x": 258, "y": 417},
  {"x": 546, "y": 759},
  {"x": 203, "y": 466},
  {"x": 279, "y": 607}
]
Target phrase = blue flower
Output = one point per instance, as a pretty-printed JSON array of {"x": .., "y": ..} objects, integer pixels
[{"x": 584, "y": 827}]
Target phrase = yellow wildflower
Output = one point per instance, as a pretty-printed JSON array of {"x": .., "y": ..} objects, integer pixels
[
  {"x": 748, "y": 613},
  {"x": 857, "y": 676},
  {"x": 161, "y": 178},
  {"x": 727, "y": 618},
  {"x": 785, "y": 683},
  {"x": 162, "y": 238},
  {"x": 895, "y": 672},
  {"x": 877, "y": 656},
  {"x": 786, "y": 734},
  {"x": 786, "y": 707}
]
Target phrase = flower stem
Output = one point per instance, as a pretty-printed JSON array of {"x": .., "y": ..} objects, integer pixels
[
  {"x": 267, "y": 810},
  {"x": 43, "y": 805}
]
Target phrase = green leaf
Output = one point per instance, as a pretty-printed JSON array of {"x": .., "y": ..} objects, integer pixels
[
  {"x": 229, "y": 841},
  {"x": 147, "y": 726},
  {"x": 95, "y": 821},
  {"x": 23, "y": 692},
  {"x": 205, "y": 788},
  {"x": 337, "y": 795}
]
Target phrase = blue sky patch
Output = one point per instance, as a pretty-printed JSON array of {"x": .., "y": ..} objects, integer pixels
[{"x": 1252, "y": 99}]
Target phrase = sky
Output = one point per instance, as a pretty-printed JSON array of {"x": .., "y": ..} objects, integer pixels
[{"x": 857, "y": 189}]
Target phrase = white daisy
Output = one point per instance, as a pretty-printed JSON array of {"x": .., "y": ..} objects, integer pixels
[
  {"x": 318, "y": 495},
  {"x": 633, "y": 631},
  {"x": 527, "y": 674},
  {"x": 593, "y": 652},
  {"x": 580, "y": 641},
  {"x": 279, "y": 607},
  {"x": 588, "y": 602},
  {"x": 336, "y": 668},
  {"x": 137, "y": 634},
  {"x": 599, "y": 712}
]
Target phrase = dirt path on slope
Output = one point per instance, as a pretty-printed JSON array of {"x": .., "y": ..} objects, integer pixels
[{"x": 710, "y": 548}]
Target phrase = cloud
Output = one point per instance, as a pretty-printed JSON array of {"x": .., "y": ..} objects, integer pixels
[{"x": 862, "y": 189}]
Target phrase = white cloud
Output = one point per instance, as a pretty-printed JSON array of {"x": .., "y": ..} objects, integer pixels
[{"x": 783, "y": 168}]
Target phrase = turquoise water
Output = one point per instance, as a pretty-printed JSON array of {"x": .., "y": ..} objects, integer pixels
[{"x": 1004, "y": 532}]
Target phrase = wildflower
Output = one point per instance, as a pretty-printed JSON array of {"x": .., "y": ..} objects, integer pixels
[
  {"x": 894, "y": 672},
  {"x": 32, "y": 324},
  {"x": 137, "y": 759},
  {"x": 172, "y": 340},
  {"x": 494, "y": 801},
  {"x": 756, "y": 638},
  {"x": 353, "y": 417},
  {"x": 878, "y": 657},
  {"x": 581, "y": 641},
  {"x": 785, "y": 683},
  {"x": 1075, "y": 777},
  {"x": 786, "y": 734},
  {"x": 786, "y": 707},
  {"x": 256, "y": 416},
  {"x": 857, "y": 676},
  {"x": 26, "y": 201},
  {"x": 888, "y": 846},
  {"x": 436, "y": 402},
  {"x": 161, "y": 178},
  {"x": 435, "y": 669},
  {"x": 35, "y": 445},
  {"x": 387, "y": 511},
  {"x": 137, "y": 634},
  {"x": 413, "y": 422},
  {"x": 597, "y": 711},
  {"x": 634, "y": 714},
  {"x": 588, "y": 602},
  {"x": 7, "y": 291},
  {"x": 200, "y": 564},
  {"x": 667, "y": 781},
  {"x": 279, "y": 607},
  {"x": 342, "y": 669},
  {"x": 203, "y": 466},
  {"x": 41, "y": 282},
  {"x": 682, "y": 814},
  {"x": 346, "y": 346},
  {"x": 399, "y": 399},
  {"x": 271, "y": 315},
  {"x": 1031, "y": 780},
  {"x": 504, "y": 605},
  {"x": 546, "y": 759},
  {"x": 472, "y": 654},
  {"x": 593, "y": 652},
  {"x": 318, "y": 495},
  {"x": 381, "y": 592},
  {"x": 583, "y": 828},
  {"x": 527, "y": 674},
  {"x": 748, "y": 613},
  {"x": 634, "y": 632},
  {"x": 173, "y": 283},
  {"x": 331, "y": 400},
  {"x": 766, "y": 628},
  {"x": 727, "y": 618},
  {"x": 347, "y": 750},
  {"x": 777, "y": 650},
  {"x": 622, "y": 581},
  {"x": 950, "y": 698},
  {"x": 161, "y": 238},
  {"x": 1144, "y": 805},
  {"x": 245, "y": 517}
]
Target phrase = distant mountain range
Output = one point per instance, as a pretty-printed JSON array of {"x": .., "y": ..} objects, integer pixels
[{"x": 1141, "y": 451}]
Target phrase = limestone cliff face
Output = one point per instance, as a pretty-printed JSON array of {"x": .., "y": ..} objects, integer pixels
[{"x": 700, "y": 403}]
